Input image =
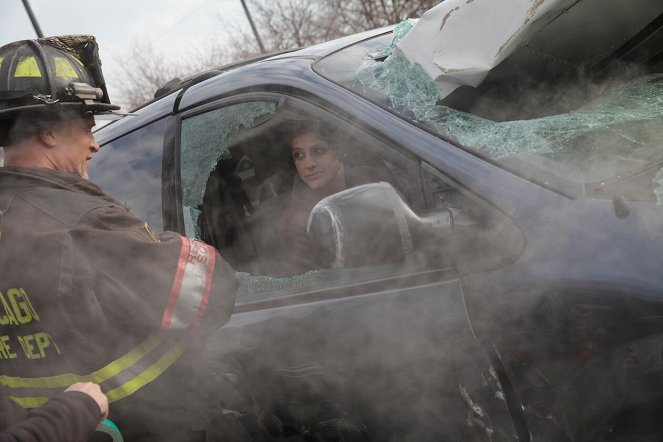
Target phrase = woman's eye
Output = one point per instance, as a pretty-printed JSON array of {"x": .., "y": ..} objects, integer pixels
[{"x": 298, "y": 156}]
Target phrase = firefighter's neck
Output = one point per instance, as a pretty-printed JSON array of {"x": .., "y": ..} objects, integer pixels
[{"x": 30, "y": 152}]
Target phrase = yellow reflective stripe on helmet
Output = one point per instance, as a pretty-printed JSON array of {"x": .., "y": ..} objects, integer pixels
[
  {"x": 1, "y": 58},
  {"x": 63, "y": 68},
  {"x": 147, "y": 376},
  {"x": 65, "y": 380},
  {"x": 27, "y": 67}
]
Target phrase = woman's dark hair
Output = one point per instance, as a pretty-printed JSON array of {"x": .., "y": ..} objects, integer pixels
[
  {"x": 300, "y": 127},
  {"x": 322, "y": 130}
]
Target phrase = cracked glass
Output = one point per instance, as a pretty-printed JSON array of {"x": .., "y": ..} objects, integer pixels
[
  {"x": 613, "y": 137},
  {"x": 206, "y": 139}
]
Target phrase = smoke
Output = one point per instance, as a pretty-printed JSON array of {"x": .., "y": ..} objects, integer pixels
[
  {"x": 409, "y": 350},
  {"x": 398, "y": 355},
  {"x": 381, "y": 350},
  {"x": 385, "y": 352}
]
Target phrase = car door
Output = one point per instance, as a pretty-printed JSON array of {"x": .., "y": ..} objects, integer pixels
[{"x": 384, "y": 346}]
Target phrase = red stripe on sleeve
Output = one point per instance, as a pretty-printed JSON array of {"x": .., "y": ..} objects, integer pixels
[
  {"x": 177, "y": 284},
  {"x": 208, "y": 285}
]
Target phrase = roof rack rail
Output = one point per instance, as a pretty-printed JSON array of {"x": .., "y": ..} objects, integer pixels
[{"x": 177, "y": 83}]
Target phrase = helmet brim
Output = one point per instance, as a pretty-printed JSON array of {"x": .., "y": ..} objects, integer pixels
[
  {"x": 9, "y": 116},
  {"x": 38, "y": 110}
]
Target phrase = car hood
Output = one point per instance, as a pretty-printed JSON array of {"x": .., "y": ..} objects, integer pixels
[{"x": 545, "y": 38}]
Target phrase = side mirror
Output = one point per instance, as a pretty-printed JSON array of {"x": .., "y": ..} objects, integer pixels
[{"x": 371, "y": 225}]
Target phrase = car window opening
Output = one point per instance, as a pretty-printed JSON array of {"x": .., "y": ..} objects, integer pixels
[
  {"x": 205, "y": 140},
  {"x": 251, "y": 174}
]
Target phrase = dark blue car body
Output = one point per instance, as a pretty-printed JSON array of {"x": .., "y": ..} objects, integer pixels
[{"x": 550, "y": 329}]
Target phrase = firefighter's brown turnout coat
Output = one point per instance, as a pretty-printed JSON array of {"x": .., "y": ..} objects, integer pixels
[{"x": 88, "y": 292}]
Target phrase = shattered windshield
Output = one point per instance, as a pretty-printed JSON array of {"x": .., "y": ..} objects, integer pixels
[{"x": 611, "y": 136}]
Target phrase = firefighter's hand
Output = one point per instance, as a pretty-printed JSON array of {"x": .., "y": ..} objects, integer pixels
[{"x": 94, "y": 391}]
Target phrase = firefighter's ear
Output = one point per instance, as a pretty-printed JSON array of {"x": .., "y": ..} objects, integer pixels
[{"x": 47, "y": 137}]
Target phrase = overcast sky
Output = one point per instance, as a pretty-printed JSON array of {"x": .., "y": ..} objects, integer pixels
[{"x": 170, "y": 25}]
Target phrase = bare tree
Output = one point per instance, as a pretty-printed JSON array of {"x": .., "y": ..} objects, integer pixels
[
  {"x": 282, "y": 24},
  {"x": 360, "y": 15},
  {"x": 145, "y": 70},
  {"x": 286, "y": 24},
  {"x": 289, "y": 24}
]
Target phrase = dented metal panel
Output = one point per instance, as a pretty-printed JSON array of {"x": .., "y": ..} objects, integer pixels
[{"x": 455, "y": 54}]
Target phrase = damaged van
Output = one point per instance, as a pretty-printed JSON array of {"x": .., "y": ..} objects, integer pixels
[{"x": 494, "y": 268}]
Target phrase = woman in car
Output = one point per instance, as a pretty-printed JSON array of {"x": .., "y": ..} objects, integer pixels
[{"x": 321, "y": 171}]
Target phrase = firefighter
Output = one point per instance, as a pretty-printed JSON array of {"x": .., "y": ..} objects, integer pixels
[{"x": 88, "y": 292}]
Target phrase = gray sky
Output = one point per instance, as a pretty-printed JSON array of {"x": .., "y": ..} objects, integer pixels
[{"x": 170, "y": 25}]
